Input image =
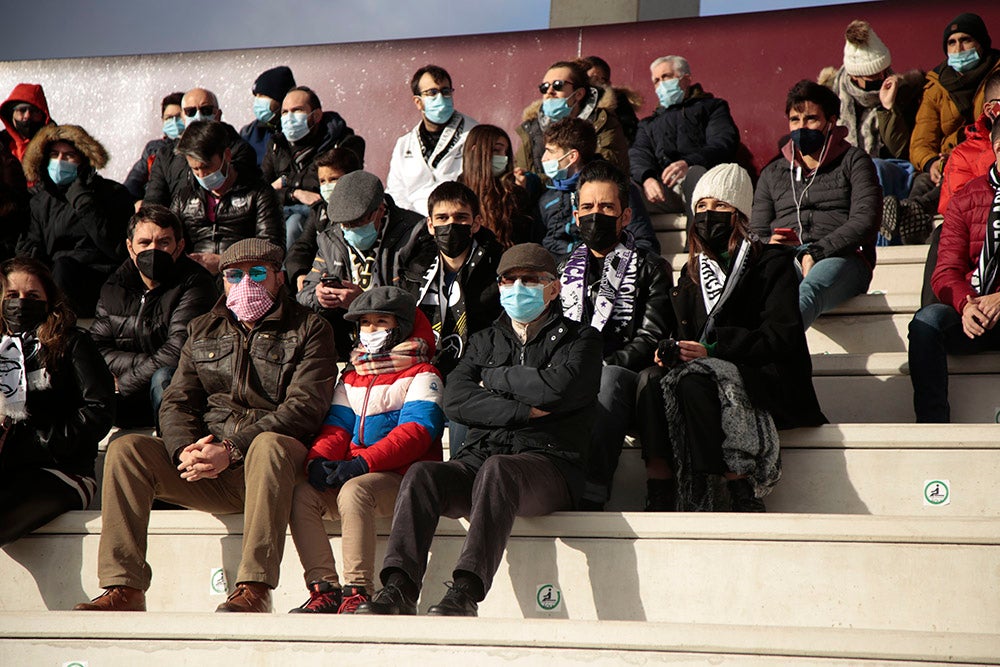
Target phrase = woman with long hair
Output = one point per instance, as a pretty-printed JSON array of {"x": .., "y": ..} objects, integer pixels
[
  {"x": 56, "y": 402},
  {"x": 739, "y": 369},
  {"x": 488, "y": 169}
]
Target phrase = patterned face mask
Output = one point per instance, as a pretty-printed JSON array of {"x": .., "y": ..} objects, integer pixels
[{"x": 249, "y": 301}]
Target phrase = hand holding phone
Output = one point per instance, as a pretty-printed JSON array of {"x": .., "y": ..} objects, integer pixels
[{"x": 785, "y": 236}]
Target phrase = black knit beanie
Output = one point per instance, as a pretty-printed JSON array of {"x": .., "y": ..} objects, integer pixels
[
  {"x": 275, "y": 83},
  {"x": 970, "y": 24}
]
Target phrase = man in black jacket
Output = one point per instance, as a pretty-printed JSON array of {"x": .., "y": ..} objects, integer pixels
[
  {"x": 689, "y": 133},
  {"x": 144, "y": 310},
  {"x": 170, "y": 172},
  {"x": 623, "y": 291},
  {"x": 290, "y": 163},
  {"x": 527, "y": 389}
]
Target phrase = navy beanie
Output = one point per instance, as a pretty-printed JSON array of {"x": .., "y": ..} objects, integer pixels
[{"x": 275, "y": 83}]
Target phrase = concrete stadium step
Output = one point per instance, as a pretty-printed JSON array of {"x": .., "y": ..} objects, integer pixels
[
  {"x": 842, "y": 469},
  {"x": 859, "y": 334},
  {"x": 153, "y": 639},
  {"x": 918, "y": 574},
  {"x": 893, "y": 363}
]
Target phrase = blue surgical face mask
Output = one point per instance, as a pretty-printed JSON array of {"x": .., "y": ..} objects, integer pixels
[
  {"x": 262, "y": 109},
  {"x": 669, "y": 92},
  {"x": 214, "y": 180},
  {"x": 552, "y": 169},
  {"x": 555, "y": 108},
  {"x": 294, "y": 125},
  {"x": 499, "y": 164},
  {"x": 326, "y": 189},
  {"x": 438, "y": 109},
  {"x": 361, "y": 238},
  {"x": 963, "y": 60},
  {"x": 62, "y": 172},
  {"x": 172, "y": 127},
  {"x": 523, "y": 304}
]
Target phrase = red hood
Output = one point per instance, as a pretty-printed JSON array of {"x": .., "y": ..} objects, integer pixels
[
  {"x": 31, "y": 93},
  {"x": 838, "y": 146},
  {"x": 979, "y": 130},
  {"x": 422, "y": 329}
]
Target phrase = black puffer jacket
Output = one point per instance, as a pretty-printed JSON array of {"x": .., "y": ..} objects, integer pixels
[
  {"x": 249, "y": 208},
  {"x": 699, "y": 130},
  {"x": 500, "y": 379},
  {"x": 170, "y": 172},
  {"x": 299, "y": 259},
  {"x": 298, "y": 163},
  {"x": 652, "y": 317},
  {"x": 139, "y": 331},
  {"x": 759, "y": 329},
  {"x": 67, "y": 420},
  {"x": 840, "y": 211}
]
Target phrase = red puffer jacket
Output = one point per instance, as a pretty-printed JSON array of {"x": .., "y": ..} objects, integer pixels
[
  {"x": 962, "y": 236},
  {"x": 971, "y": 158}
]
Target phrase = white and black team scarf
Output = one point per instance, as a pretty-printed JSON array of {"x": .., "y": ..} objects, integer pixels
[
  {"x": 984, "y": 278},
  {"x": 616, "y": 294},
  {"x": 364, "y": 268},
  {"x": 20, "y": 372},
  {"x": 717, "y": 286},
  {"x": 450, "y": 321},
  {"x": 450, "y": 136}
]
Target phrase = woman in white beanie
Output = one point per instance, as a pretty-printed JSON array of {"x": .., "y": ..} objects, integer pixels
[{"x": 740, "y": 367}]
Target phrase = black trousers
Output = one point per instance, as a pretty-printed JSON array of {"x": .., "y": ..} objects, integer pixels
[
  {"x": 698, "y": 397},
  {"x": 29, "y": 499},
  {"x": 491, "y": 492}
]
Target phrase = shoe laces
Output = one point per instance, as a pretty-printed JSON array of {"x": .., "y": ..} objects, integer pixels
[
  {"x": 457, "y": 591},
  {"x": 352, "y": 602},
  {"x": 321, "y": 600}
]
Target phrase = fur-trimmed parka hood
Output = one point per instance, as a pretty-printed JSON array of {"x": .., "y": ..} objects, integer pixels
[
  {"x": 36, "y": 159},
  {"x": 606, "y": 101}
]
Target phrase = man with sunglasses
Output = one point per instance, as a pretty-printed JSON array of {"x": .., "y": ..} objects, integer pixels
[
  {"x": 431, "y": 152},
  {"x": 526, "y": 388},
  {"x": 567, "y": 93},
  {"x": 254, "y": 383},
  {"x": 169, "y": 172}
]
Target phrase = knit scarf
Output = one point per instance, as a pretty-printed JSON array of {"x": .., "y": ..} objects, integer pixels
[
  {"x": 20, "y": 372},
  {"x": 984, "y": 278},
  {"x": 962, "y": 86},
  {"x": 408, "y": 353},
  {"x": 717, "y": 286},
  {"x": 751, "y": 446},
  {"x": 858, "y": 113},
  {"x": 616, "y": 294}
]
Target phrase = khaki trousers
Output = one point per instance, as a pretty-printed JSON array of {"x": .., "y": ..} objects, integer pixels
[
  {"x": 138, "y": 469},
  {"x": 357, "y": 504}
]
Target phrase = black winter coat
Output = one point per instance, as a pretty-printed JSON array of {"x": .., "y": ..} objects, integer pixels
[
  {"x": 298, "y": 163},
  {"x": 170, "y": 172},
  {"x": 85, "y": 221},
  {"x": 248, "y": 209},
  {"x": 139, "y": 331},
  {"x": 699, "y": 130},
  {"x": 499, "y": 380},
  {"x": 67, "y": 420},
  {"x": 840, "y": 212},
  {"x": 760, "y": 330}
]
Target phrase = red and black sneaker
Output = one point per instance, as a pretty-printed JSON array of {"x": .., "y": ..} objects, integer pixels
[
  {"x": 353, "y": 596},
  {"x": 324, "y": 598}
]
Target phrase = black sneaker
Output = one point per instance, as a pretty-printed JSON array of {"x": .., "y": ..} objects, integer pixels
[
  {"x": 661, "y": 495},
  {"x": 456, "y": 602},
  {"x": 324, "y": 598},
  {"x": 742, "y": 498},
  {"x": 390, "y": 601},
  {"x": 354, "y": 596}
]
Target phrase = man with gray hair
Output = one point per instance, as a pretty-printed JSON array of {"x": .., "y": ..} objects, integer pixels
[
  {"x": 690, "y": 132},
  {"x": 170, "y": 171}
]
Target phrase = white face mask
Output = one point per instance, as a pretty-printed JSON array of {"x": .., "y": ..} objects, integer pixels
[{"x": 374, "y": 342}]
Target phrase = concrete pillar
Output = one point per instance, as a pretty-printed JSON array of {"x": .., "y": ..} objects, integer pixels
[{"x": 571, "y": 13}]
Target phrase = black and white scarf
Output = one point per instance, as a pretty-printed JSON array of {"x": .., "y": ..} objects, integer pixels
[
  {"x": 717, "y": 286},
  {"x": 450, "y": 136},
  {"x": 450, "y": 321},
  {"x": 20, "y": 372},
  {"x": 984, "y": 278},
  {"x": 616, "y": 294},
  {"x": 364, "y": 267}
]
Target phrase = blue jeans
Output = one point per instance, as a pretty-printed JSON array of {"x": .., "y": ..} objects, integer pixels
[
  {"x": 615, "y": 408},
  {"x": 295, "y": 219},
  {"x": 157, "y": 385},
  {"x": 896, "y": 178},
  {"x": 935, "y": 332},
  {"x": 831, "y": 282}
]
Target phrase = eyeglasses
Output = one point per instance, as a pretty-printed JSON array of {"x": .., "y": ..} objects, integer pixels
[
  {"x": 434, "y": 92},
  {"x": 526, "y": 280},
  {"x": 206, "y": 110},
  {"x": 556, "y": 85},
  {"x": 258, "y": 274}
]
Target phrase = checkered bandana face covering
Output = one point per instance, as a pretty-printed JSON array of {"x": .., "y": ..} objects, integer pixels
[{"x": 248, "y": 300}]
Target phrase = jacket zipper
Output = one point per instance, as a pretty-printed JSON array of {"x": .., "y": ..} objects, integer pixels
[{"x": 364, "y": 411}]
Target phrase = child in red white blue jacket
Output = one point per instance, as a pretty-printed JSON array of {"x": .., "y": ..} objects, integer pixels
[{"x": 386, "y": 414}]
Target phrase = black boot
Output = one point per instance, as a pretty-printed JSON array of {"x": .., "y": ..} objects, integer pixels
[
  {"x": 742, "y": 498},
  {"x": 661, "y": 495},
  {"x": 458, "y": 601}
]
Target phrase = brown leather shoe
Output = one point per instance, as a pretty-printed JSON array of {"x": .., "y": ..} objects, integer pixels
[
  {"x": 249, "y": 597},
  {"x": 116, "y": 598}
]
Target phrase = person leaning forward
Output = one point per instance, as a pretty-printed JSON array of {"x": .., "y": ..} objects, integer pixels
[{"x": 232, "y": 441}]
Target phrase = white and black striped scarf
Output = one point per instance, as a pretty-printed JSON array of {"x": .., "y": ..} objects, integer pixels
[
  {"x": 984, "y": 278},
  {"x": 717, "y": 286},
  {"x": 616, "y": 295}
]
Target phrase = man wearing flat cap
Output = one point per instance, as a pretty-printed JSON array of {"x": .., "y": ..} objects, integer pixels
[
  {"x": 527, "y": 389},
  {"x": 367, "y": 241},
  {"x": 254, "y": 382}
]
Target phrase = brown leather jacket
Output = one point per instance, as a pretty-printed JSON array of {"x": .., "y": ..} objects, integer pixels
[{"x": 236, "y": 384}]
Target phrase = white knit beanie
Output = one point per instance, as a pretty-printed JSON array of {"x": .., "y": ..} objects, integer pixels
[
  {"x": 864, "y": 52},
  {"x": 726, "y": 182}
]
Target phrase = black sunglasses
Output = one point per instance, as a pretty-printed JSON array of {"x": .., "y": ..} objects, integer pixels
[
  {"x": 207, "y": 110},
  {"x": 556, "y": 85}
]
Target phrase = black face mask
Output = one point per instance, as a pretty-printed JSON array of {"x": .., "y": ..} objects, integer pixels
[
  {"x": 808, "y": 140},
  {"x": 714, "y": 229},
  {"x": 155, "y": 264},
  {"x": 28, "y": 128},
  {"x": 871, "y": 86},
  {"x": 599, "y": 231},
  {"x": 453, "y": 239},
  {"x": 23, "y": 315}
]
